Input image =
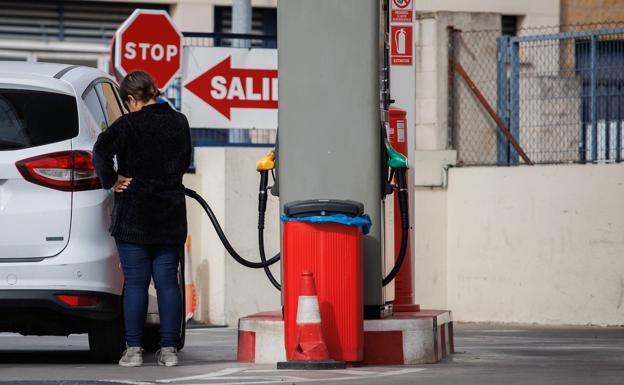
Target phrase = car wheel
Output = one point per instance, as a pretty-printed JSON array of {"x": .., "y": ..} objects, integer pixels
[
  {"x": 107, "y": 340},
  {"x": 151, "y": 335}
]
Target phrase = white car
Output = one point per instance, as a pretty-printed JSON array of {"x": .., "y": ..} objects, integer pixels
[{"x": 59, "y": 268}]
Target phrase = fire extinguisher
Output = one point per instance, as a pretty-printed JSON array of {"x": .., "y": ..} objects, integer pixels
[{"x": 399, "y": 40}]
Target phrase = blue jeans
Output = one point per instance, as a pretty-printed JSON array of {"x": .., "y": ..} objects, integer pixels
[{"x": 139, "y": 263}]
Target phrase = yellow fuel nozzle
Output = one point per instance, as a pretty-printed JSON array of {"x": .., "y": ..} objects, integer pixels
[{"x": 267, "y": 162}]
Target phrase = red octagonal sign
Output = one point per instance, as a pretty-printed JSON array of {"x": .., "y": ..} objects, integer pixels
[{"x": 149, "y": 41}]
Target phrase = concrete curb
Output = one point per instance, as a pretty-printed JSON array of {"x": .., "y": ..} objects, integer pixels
[{"x": 423, "y": 337}]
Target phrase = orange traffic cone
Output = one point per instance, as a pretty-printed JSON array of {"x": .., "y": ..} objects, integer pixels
[
  {"x": 189, "y": 287},
  {"x": 311, "y": 351}
]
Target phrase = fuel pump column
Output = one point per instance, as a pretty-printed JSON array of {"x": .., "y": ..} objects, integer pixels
[{"x": 330, "y": 114}]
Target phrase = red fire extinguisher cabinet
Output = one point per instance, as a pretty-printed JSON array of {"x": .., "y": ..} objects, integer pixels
[
  {"x": 403, "y": 288},
  {"x": 333, "y": 253}
]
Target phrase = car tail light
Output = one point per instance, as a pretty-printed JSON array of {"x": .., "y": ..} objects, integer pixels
[
  {"x": 65, "y": 171},
  {"x": 78, "y": 300}
]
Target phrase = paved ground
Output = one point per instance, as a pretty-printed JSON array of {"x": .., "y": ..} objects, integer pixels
[{"x": 485, "y": 355}]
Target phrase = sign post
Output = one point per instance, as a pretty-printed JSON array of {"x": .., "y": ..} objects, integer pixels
[
  {"x": 148, "y": 41},
  {"x": 402, "y": 85}
]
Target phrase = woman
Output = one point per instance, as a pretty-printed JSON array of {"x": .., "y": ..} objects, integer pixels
[{"x": 153, "y": 149}]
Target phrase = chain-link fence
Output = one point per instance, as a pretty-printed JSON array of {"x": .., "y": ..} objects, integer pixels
[
  {"x": 554, "y": 94},
  {"x": 209, "y": 137}
]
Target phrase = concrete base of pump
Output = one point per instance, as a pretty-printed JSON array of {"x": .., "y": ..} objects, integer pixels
[{"x": 406, "y": 338}]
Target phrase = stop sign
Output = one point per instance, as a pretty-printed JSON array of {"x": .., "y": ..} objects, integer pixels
[{"x": 149, "y": 41}]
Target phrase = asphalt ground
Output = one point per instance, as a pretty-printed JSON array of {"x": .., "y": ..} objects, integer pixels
[{"x": 485, "y": 354}]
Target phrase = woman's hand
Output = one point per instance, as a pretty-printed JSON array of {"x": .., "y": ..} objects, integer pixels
[{"x": 122, "y": 183}]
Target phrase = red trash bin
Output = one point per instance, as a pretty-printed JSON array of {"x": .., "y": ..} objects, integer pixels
[{"x": 333, "y": 253}]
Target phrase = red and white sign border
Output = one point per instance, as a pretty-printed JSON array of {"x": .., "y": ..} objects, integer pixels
[
  {"x": 128, "y": 22},
  {"x": 408, "y": 4}
]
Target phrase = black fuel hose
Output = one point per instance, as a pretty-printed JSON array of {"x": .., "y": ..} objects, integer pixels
[
  {"x": 262, "y": 204},
  {"x": 403, "y": 195},
  {"x": 268, "y": 272},
  {"x": 264, "y": 264},
  {"x": 215, "y": 223}
]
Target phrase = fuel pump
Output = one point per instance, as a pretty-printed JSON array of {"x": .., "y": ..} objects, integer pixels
[
  {"x": 383, "y": 166},
  {"x": 398, "y": 166}
]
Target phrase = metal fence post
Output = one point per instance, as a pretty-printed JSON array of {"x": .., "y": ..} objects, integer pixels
[
  {"x": 514, "y": 126},
  {"x": 241, "y": 21},
  {"x": 502, "y": 98},
  {"x": 451, "y": 134},
  {"x": 61, "y": 21},
  {"x": 593, "y": 100}
]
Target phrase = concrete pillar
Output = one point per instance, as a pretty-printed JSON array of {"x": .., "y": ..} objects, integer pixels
[{"x": 329, "y": 115}]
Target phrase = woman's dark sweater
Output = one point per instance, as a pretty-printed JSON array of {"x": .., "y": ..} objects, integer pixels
[{"x": 153, "y": 147}]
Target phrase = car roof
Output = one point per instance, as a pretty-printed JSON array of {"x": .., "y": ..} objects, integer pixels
[
  {"x": 49, "y": 75},
  {"x": 30, "y": 68}
]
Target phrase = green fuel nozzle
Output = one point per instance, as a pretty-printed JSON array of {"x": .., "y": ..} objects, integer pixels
[{"x": 396, "y": 160}]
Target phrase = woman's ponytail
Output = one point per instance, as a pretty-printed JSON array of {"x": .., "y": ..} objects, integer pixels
[{"x": 140, "y": 85}]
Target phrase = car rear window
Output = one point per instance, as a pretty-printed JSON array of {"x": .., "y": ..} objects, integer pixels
[{"x": 34, "y": 118}]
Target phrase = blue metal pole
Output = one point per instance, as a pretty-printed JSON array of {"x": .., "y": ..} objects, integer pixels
[
  {"x": 592, "y": 96},
  {"x": 502, "y": 102},
  {"x": 241, "y": 22},
  {"x": 515, "y": 97},
  {"x": 61, "y": 22}
]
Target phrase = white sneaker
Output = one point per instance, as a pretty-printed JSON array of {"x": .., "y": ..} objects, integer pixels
[
  {"x": 167, "y": 356},
  {"x": 133, "y": 356}
]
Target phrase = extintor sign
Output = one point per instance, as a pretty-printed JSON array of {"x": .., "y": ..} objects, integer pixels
[{"x": 402, "y": 46}]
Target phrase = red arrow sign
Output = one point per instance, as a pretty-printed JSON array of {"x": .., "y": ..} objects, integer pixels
[{"x": 224, "y": 87}]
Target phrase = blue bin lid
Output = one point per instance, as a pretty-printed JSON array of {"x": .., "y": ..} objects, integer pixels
[{"x": 323, "y": 207}]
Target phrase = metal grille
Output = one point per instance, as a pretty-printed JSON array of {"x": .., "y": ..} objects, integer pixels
[
  {"x": 263, "y": 22},
  {"x": 559, "y": 95},
  {"x": 87, "y": 21}
]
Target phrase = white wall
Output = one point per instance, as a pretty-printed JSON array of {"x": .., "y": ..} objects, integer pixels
[
  {"x": 228, "y": 181},
  {"x": 430, "y": 263},
  {"x": 528, "y": 244},
  {"x": 540, "y": 244},
  {"x": 535, "y": 13}
]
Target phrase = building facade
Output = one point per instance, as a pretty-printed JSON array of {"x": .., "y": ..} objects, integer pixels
[{"x": 80, "y": 32}]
